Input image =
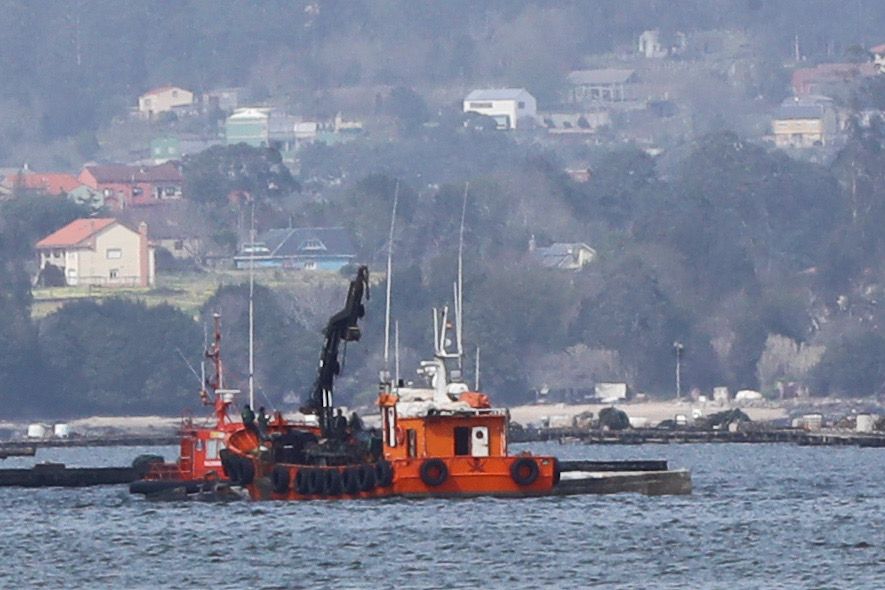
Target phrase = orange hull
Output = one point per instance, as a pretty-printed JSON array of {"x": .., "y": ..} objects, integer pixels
[{"x": 462, "y": 477}]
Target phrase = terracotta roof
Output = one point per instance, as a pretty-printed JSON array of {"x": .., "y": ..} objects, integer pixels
[
  {"x": 123, "y": 173},
  {"x": 75, "y": 232},
  {"x": 49, "y": 182}
]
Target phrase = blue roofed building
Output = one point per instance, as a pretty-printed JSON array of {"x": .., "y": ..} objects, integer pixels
[
  {"x": 301, "y": 248},
  {"x": 562, "y": 255}
]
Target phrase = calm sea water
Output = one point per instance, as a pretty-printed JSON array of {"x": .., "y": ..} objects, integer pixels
[{"x": 762, "y": 516}]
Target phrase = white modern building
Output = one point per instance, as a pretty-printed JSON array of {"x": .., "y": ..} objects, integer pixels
[{"x": 507, "y": 106}]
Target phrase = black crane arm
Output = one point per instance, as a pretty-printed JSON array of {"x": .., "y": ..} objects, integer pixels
[{"x": 341, "y": 327}]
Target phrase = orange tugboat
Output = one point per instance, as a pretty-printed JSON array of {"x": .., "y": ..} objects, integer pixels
[{"x": 442, "y": 440}]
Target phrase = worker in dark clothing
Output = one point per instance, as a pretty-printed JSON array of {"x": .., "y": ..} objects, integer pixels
[
  {"x": 248, "y": 417},
  {"x": 356, "y": 423},
  {"x": 263, "y": 420},
  {"x": 376, "y": 445},
  {"x": 339, "y": 425}
]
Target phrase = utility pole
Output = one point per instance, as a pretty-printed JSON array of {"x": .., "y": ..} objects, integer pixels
[{"x": 678, "y": 347}]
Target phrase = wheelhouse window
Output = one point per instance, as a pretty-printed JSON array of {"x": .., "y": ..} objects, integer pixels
[{"x": 462, "y": 440}]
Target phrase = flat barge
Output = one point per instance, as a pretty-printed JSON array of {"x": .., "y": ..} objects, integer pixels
[{"x": 645, "y": 436}]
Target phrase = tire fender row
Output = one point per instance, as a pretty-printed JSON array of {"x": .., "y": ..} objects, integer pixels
[{"x": 332, "y": 482}]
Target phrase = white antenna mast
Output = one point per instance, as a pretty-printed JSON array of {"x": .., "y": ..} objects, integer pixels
[
  {"x": 252, "y": 310},
  {"x": 396, "y": 351},
  {"x": 459, "y": 293},
  {"x": 476, "y": 375},
  {"x": 386, "y": 376}
]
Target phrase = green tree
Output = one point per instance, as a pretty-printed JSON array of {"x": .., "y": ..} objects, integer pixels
[
  {"x": 28, "y": 218},
  {"x": 852, "y": 366},
  {"x": 408, "y": 107},
  {"x": 212, "y": 175},
  {"x": 120, "y": 357}
]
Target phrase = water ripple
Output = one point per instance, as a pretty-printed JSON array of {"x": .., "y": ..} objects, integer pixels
[{"x": 770, "y": 516}]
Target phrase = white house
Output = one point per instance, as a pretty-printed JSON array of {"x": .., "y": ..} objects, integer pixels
[
  {"x": 650, "y": 44},
  {"x": 879, "y": 57},
  {"x": 99, "y": 251},
  {"x": 507, "y": 106},
  {"x": 163, "y": 99}
]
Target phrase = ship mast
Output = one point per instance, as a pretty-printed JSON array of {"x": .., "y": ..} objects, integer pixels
[
  {"x": 385, "y": 376},
  {"x": 252, "y": 310},
  {"x": 459, "y": 293}
]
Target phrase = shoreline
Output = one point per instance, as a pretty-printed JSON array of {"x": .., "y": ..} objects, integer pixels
[{"x": 556, "y": 415}]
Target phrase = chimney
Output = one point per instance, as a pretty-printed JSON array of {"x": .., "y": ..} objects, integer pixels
[{"x": 144, "y": 262}]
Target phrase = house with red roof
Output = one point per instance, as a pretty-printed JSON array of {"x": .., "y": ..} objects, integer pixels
[
  {"x": 830, "y": 79},
  {"x": 163, "y": 99},
  {"x": 99, "y": 251},
  {"x": 122, "y": 185},
  {"x": 48, "y": 183}
]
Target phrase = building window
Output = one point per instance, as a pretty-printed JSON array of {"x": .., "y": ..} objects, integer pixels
[
  {"x": 521, "y": 104},
  {"x": 113, "y": 273},
  {"x": 178, "y": 245},
  {"x": 313, "y": 244},
  {"x": 56, "y": 253},
  {"x": 72, "y": 272},
  {"x": 114, "y": 253},
  {"x": 480, "y": 105},
  {"x": 310, "y": 265},
  {"x": 169, "y": 191},
  {"x": 136, "y": 191}
]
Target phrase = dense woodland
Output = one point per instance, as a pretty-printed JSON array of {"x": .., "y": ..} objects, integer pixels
[{"x": 767, "y": 269}]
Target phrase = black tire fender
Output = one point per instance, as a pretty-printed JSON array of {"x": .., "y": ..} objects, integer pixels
[
  {"x": 434, "y": 472},
  {"x": 234, "y": 470},
  {"x": 366, "y": 478},
  {"x": 247, "y": 471},
  {"x": 350, "y": 480},
  {"x": 279, "y": 478},
  {"x": 384, "y": 474},
  {"x": 524, "y": 471},
  {"x": 316, "y": 481},
  {"x": 302, "y": 482},
  {"x": 334, "y": 486}
]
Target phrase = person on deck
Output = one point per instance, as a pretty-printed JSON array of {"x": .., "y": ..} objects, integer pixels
[
  {"x": 248, "y": 417},
  {"x": 356, "y": 423},
  {"x": 263, "y": 420},
  {"x": 339, "y": 425}
]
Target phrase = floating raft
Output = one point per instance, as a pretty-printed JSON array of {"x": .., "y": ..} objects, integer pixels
[
  {"x": 57, "y": 475},
  {"x": 652, "y": 478},
  {"x": 643, "y": 436},
  {"x": 17, "y": 451},
  {"x": 127, "y": 440}
]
